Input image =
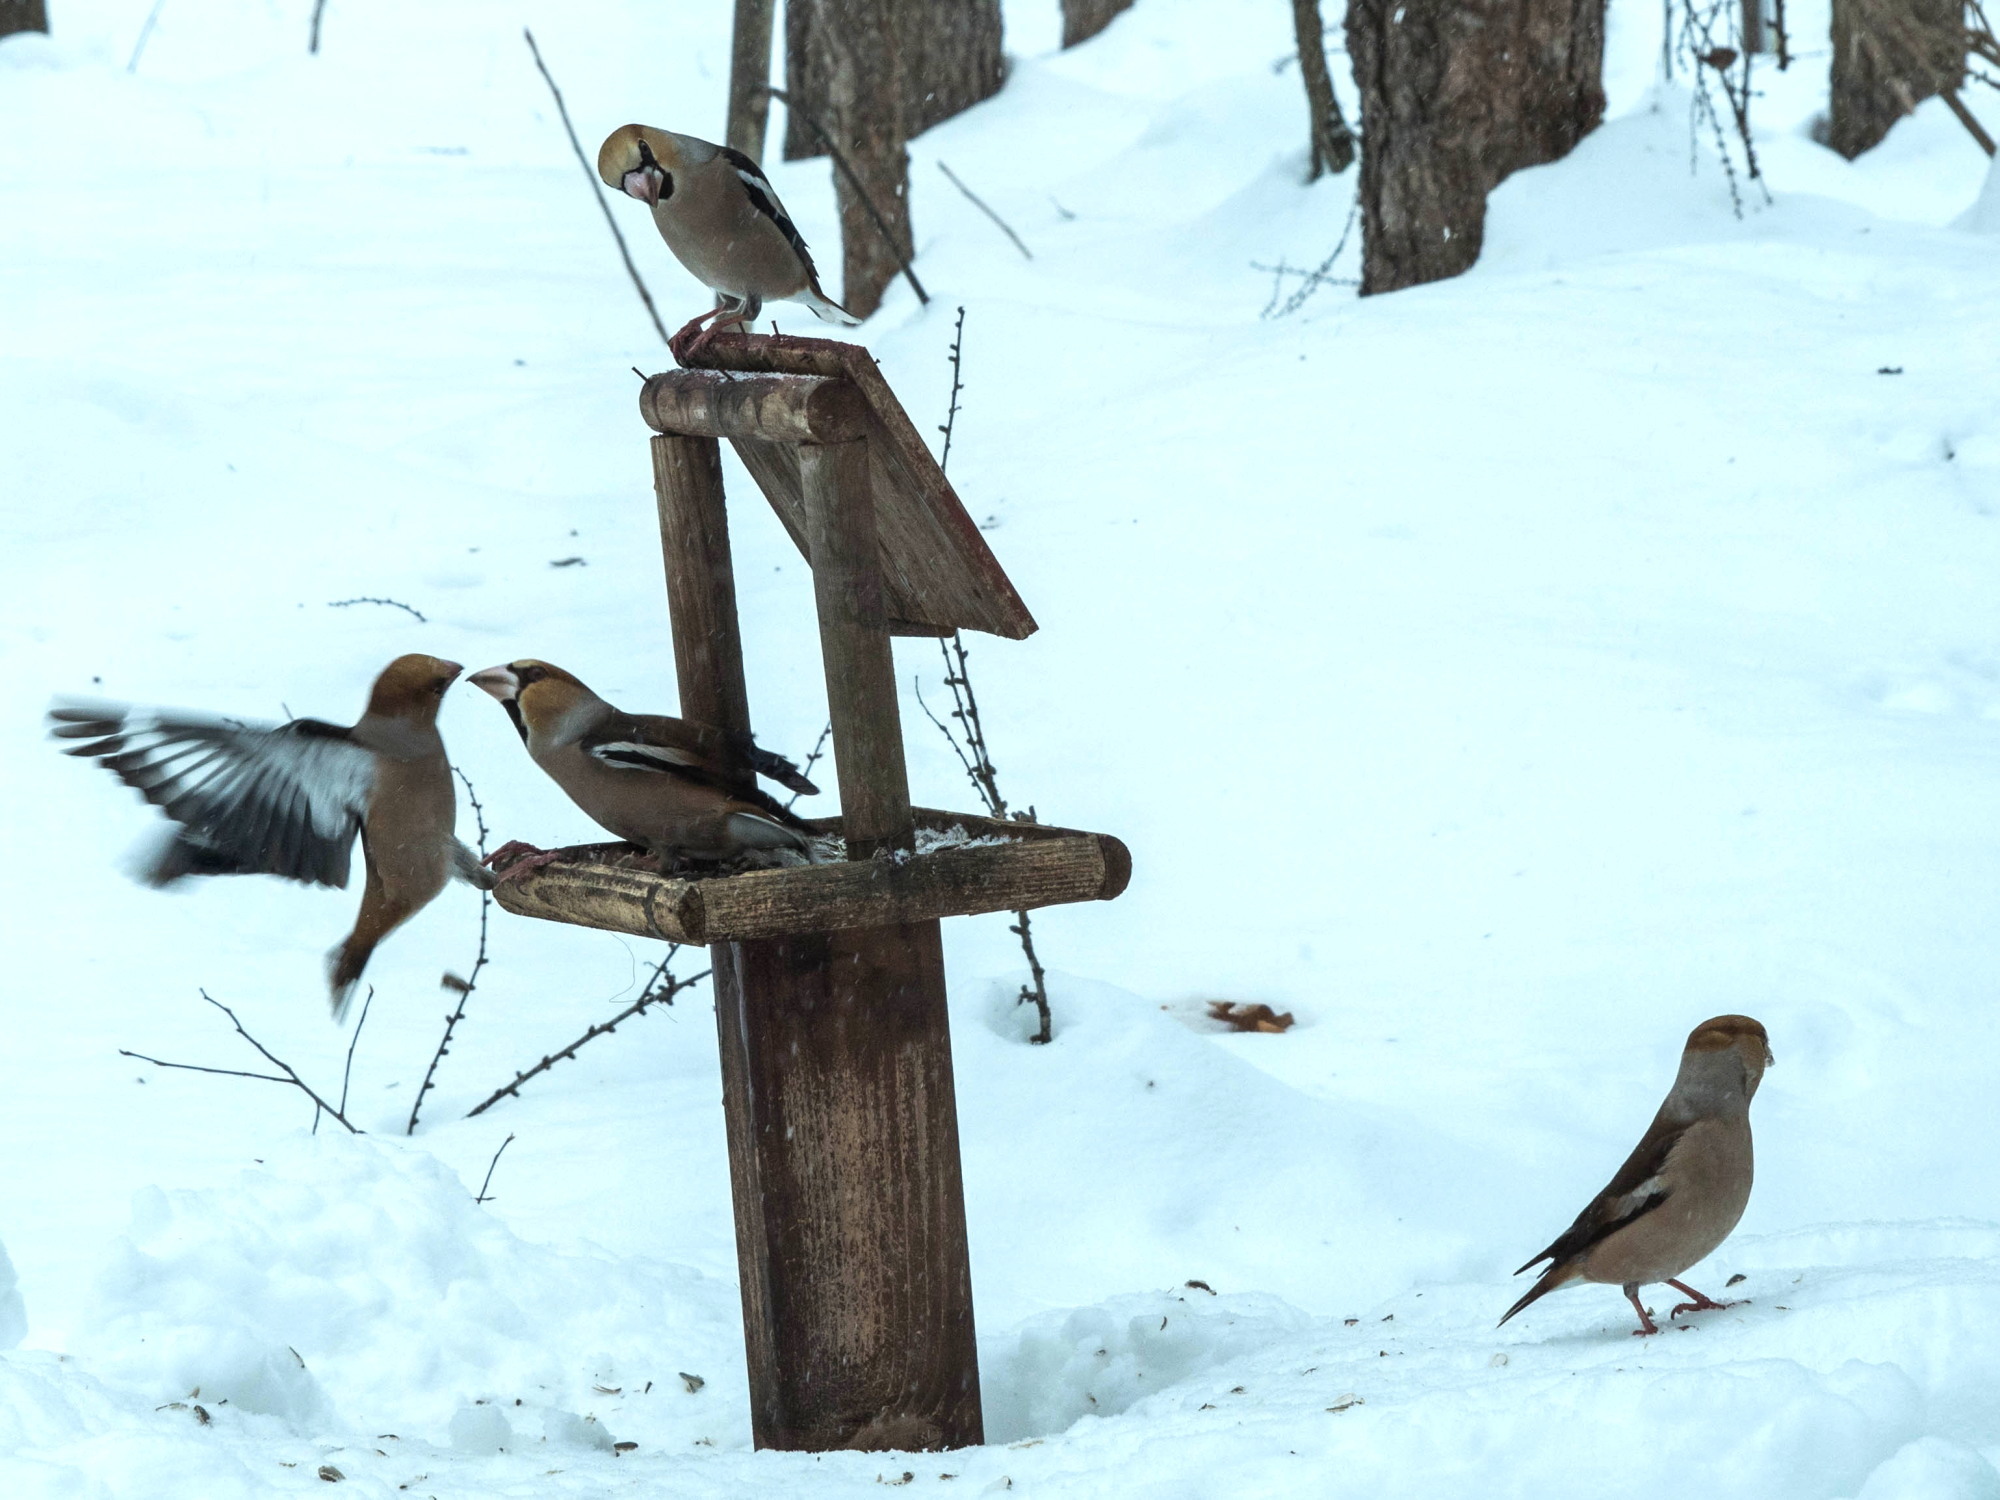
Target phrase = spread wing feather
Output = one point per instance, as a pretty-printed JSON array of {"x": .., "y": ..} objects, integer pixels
[{"x": 259, "y": 799}]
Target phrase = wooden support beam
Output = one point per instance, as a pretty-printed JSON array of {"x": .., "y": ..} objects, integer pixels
[
  {"x": 854, "y": 640},
  {"x": 768, "y": 408},
  {"x": 836, "y": 1051}
]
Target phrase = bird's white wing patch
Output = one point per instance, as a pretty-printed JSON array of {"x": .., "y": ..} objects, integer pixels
[{"x": 630, "y": 755}]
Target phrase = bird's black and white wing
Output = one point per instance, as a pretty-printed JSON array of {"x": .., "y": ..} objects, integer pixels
[
  {"x": 764, "y": 198},
  {"x": 655, "y": 742},
  {"x": 251, "y": 799}
]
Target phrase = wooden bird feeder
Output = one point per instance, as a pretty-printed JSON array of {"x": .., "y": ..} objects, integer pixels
[{"x": 829, "y": 979}]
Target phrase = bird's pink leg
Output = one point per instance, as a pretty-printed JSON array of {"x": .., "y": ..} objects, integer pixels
[
  {"x": 720, "y": 317},
  {"x": 1701, "y": 1303},
  {"x": 1646, "y": 1323},
  {"x": 678, "y": 345},
  {"x": 528, "y": 858}
]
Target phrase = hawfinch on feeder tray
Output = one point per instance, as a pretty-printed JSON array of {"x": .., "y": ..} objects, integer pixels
[
  {"x": 288, "y": 799},
  {"x": 657, "y": 782},
  {"x": 1683, "y": 1187},
  {"x": 722, "y": 219}
]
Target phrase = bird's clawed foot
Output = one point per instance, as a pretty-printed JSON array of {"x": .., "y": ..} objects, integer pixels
[
  {"x": 1701, "y": 1302},
  {"x": 695, "y": 334},
  {"x": 519, "y": 858},
  {"x": 1646, "y": 1324}
]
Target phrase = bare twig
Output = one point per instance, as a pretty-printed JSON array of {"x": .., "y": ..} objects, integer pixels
[
  {"x": 968, "y": 741},
  {"x": 1319, "y": 276},
  {"x": 596, "y": 190},
  {"x": 980, "y": 204},
  {"x": 283, "y": 1067},
  {"x": 853, "y": 181},
  {"x": 957, "y": 385},
  {"x": 391, "y": 603},
  {"x": 144, "y": 32},
  {"x": 347, "y": 1071},
  {"x": 463, "y": 987},
  {"x": 319, "y": 9},
  {"x": 1781, "y": 35},
  {"x": 1709, "y": 50},
  {"x": 482, "y": 1196},
  {"x": 819, "y": 749},
  {"x": 662, "y": 987}
]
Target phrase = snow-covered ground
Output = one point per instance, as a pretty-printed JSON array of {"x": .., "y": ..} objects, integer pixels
[{"x": 1502, "y": 676}]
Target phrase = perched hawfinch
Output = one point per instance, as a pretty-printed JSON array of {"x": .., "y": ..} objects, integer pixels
[
  {"x": 1683, "y": 1187},
  {"x": 287, "y": 799},
  {"x": 722, "y": 219},
  {"x": 653, "y": 781}
]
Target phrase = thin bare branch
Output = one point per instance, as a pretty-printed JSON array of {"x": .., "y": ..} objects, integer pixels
[
  {"x": 392, "y": 603},
  {"x": 840, "y": 161},
  {"x": 463, "y": 987},
  {"x": 596, "y": 189},
  {"x": 482, "y": 1196},
  {"x": 981, "y": 204}
]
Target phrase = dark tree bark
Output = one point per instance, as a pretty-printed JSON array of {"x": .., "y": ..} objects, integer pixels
[
  {"x": 1332, "y": 141},
  {"x": 1888, "y": 57},
  {"x": 23, "y": 15},
  {"x": 1455, "y": 95},
  {"x": 1083, "y": 19},
  {"x": 749, "y": 75},
  {"x": 951, "y": 53},
  {"x": 859, "y": 43}
]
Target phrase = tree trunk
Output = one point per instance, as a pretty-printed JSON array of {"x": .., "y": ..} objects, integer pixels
[
  {"x": 1332, "y": 142},
  {"x": 1455, "y": 95},
  {"x": 23, "y": 15},
  {"x": 749, "y": 76},
  {"x": 951, "y": 54},
  {"x": 860, "y": 45},
  {"x": 1083, "y": 19},
  {"x": 1888, "y": 57}
]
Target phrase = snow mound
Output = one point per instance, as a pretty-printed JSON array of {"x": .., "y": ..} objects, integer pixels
[
  {"x": 13, "y": 1312},
  {"x": 1100, "y": 1361},
  {"x": 353, "y": 1279}
]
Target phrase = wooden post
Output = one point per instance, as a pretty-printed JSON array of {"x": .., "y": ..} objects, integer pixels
[
  {"x": 749, "y": 77},
  {"x": 836, "y": 1053}
]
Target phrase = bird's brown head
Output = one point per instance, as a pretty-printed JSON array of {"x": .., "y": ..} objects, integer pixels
[
  {"x": 639, "y": 162},
  {"x": 1723, "y": 1042},
  {"x": 531, "y": 691},
  {"x": 412, "y": 686}
]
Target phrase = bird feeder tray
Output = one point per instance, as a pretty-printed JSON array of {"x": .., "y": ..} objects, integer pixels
[
  {"x": 614, "y": 886},
  {"x": 938, "y": 574}
]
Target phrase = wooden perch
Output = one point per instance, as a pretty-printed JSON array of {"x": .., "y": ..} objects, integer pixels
[
  {"x": 612, "y": 887},
  {"x": 770, "y": 408}
]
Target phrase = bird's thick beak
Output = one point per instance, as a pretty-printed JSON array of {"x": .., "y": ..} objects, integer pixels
[
  {"x": 644, "y": 183},
  {"x": 499, "y": 681},
  {"x": 451, "y": 669}
]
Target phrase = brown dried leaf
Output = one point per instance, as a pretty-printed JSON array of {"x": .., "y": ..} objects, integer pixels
[{"x": 1240, "y": 1016}]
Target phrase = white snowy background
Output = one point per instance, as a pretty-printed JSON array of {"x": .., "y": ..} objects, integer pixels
[{"x": 1502, "y": 675}]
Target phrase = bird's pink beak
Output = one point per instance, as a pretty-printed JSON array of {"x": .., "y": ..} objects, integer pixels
[
  {"x": 645, "y": 184},
  {"x": 499, "y": 681}
]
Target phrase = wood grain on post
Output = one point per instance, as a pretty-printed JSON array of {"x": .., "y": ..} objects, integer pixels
[
  {"x": 854, "y": 639},
  {"x": 701, "y": 587},
  {"x": 749, "y": 77},
  {"x": 772, "y": 408}
]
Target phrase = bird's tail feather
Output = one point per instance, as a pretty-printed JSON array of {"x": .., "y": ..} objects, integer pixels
[
  {"x": 343, "y": 972},
  {"x": 1560, "y": 1274},
  {"x": 825, "y": 308}
]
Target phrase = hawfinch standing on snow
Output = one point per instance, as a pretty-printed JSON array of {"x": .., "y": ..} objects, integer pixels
[
  {"x": 720, "y": 216},
  {"x": 287, "y": 799},
  {"x": 657, "y": 782},
  {"x": 1683, "y": 1187}
]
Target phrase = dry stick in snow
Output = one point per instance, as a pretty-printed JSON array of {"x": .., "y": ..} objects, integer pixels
[
  {"x": 391, "y": 603},
  {"x": 980, "y": 204},
  {"x": 464, "y": 987},
  {"x": 144, "y": 32},
  {"x": 285, "y": 1068},
  {"x": 482, "y": 1196},
  {"x": 840, "y": 161},
  {"x": 596, "y": 189},
  {"x": 347, "y": 1071},
  {"x": 319, "y": 9},
  {"x": 973, "y": 754},
  {"x": 655, "y": 992}
]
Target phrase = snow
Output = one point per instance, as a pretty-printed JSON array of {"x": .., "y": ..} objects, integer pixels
[{"x": 1501, "y": 676}]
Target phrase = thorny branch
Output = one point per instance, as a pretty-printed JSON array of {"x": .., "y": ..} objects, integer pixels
[
  {"x": 463, "y": 987},
  {"x": 1709, "y": 51},
  {"x": 392, "y": 603},
  {"x": 819, "y": 749},
  {"x": 662, "y": 987},
  {"x": 596, "y": 189},
  {"x": 968, "y": 741},
  {"x": 284, "y": 1068},
  {"x": 1316, "y": 278}
]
